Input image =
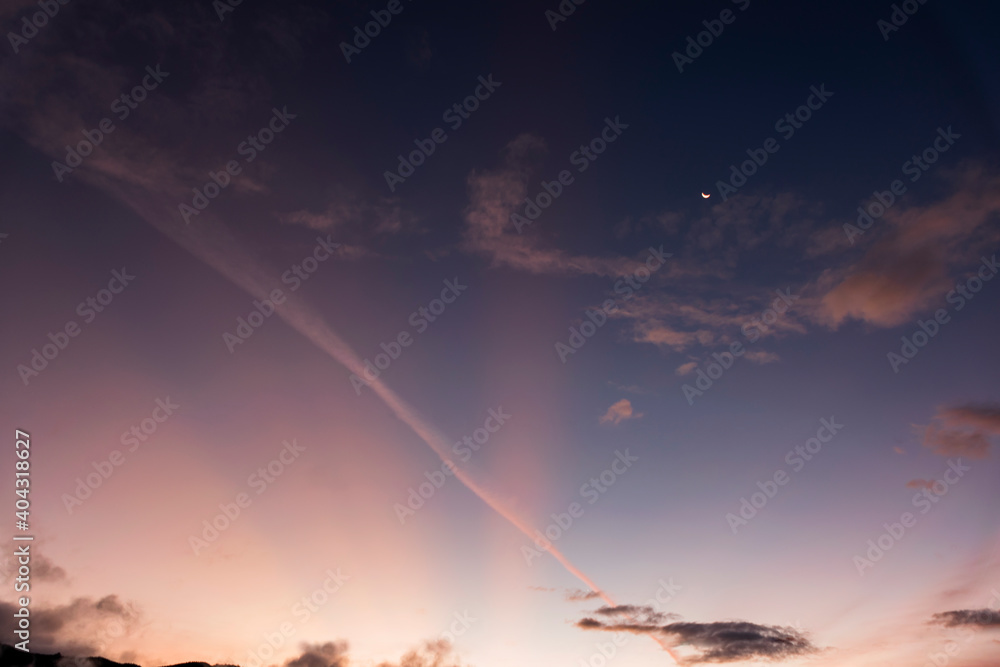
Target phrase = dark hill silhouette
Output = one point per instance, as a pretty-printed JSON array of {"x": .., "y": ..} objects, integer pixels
[{"x": 12, "y": 657}]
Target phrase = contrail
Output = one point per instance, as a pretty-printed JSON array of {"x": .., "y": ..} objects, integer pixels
[{"x": 216, "y": 247}]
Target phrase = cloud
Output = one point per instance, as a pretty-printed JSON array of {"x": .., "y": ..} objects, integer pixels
[
  {"x": 578, "y": 595},
  {"x": 696, "y": 316},
  {"x": 761, "y": 357},
  {"x": 497, "y": 193},
  {"x": 45, "y": 570},
  {"x": 911, "y": 264},
  {"x": 725, "y": 641},
  {"x": 186, "y": 127},
  {"x": 330, "y": 654},
  {"x": 637, "y": 619},
  {"x": 42, "y": 569},
  {"x": 634, "y": 613},
  {"x": 985, "y": 417},
  {"x": 963, "y": 431},
  {"x": 948, "y": 442},
  {"x": 920, "y": 484},
  {"x": 983, "y": 618},
  {"x": 437, "y": 653},
  {"x": 888, "y": 288},
  {"x": 684, "y": 369},
  {"x": 915, "y": 261},
  {"x": 619, "y": 412},
  {"x": 915, "y": 257},
  {"x": 347, "y": 210},
  {"x": 81, "y": 627},
  {"x": 729, "y": 641}
]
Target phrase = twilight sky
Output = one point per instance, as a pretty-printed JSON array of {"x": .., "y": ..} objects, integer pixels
[{"x": 336, "y": 346}]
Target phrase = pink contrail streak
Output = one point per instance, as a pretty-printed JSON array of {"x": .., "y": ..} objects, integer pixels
[{"x": 220, "y": 250}]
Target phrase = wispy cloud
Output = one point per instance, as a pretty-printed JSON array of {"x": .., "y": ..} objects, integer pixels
[
  {"x": 963, "y": 431},
  {"x": 494, "y": 194},
  {"x": 916, "y": 259}
]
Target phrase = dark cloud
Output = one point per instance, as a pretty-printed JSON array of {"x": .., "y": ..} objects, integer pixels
[
  {"x": 725, "y": 641},
  {"x": 330, "y": 654},
  {"x": 45, "y": 570},
  {"x": 581, "y": 596},
  {"x": 983, "y": 618},
  {"x": 728, "y": 641},
  {"x": 635, "y": 614},
  {"x": 436, "y": 653},
  {"x": 82, "y": 627},
  {"x": 42, "y": 569}
]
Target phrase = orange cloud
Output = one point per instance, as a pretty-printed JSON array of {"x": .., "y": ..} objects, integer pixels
[
  {"x": 915, "y": 262},
  {"x": 963, "y": 431},
  {"x": 619, "y": 412},
  {"x": 684, "y": 369}
]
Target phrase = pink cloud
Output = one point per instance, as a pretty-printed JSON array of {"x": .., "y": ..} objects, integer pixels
[
  {"x": 684, "y": 369},
  {"x": 619, "y": 412},
  {"x": 495, "y": 194},
  {"x": 915, "y": 260},
  {"x": 963, "y": 431}
]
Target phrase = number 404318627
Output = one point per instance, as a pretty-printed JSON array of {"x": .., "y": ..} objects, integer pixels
[{"x": 22, "y": 447}]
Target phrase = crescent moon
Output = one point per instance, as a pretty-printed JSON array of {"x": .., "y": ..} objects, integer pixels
[{"x": 704, "y": 196}]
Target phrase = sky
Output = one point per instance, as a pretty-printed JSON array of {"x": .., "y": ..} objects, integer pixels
[{"x": 539, "y": 333}]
